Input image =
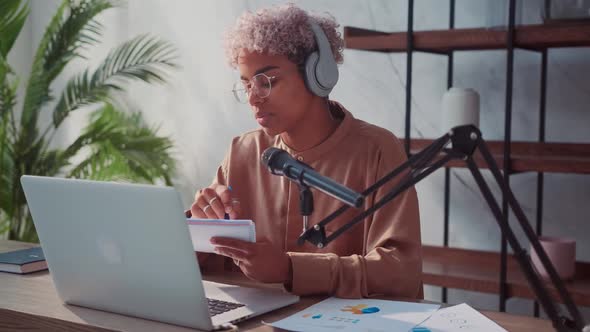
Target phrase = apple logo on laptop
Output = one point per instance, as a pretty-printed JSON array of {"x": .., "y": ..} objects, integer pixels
[{"x": 109, "y": 250}]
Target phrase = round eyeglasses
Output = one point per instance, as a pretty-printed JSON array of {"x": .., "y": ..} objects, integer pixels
[{"x": 259, "y": 84}]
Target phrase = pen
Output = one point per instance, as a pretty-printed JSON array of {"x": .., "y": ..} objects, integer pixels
[
  {"x": 226, "y": 215},
  {"x": 188, "y": 213}
]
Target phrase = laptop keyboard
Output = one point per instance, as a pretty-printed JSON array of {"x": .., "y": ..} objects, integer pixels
[{"x": 217, "y": 307}]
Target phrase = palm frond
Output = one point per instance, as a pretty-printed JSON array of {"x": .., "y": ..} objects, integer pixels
[
  {"x": 143, "y": 58},
  {"x": 5, "y": 68},
  {"x": 79, "y": 91},
  {"x": 37, "y": 90},
  {"x": 8, "y": 93},
  {"x": 13, "y": 15},
  {"x": 72, "y": 28},
  {"x": 50, "y": 163},
  {"x": 6, "y": 170},
  {"x": 122, "y": 147},
  {"x": 6, "y": 179},
  {"x": 6, "y": 162},
  {"x": 4, "y": 223},
  {"x": 77, "y": 30},
  {"x": 27, "y": 230}
]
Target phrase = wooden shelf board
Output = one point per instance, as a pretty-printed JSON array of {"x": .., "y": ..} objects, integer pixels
[
  {"x": 530, "y": 156},
  {"x": 479, "y": 271},
  {"x": 526, "y": 36}
]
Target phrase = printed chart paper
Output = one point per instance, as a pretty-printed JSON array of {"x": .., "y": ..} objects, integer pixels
[
  {"x": 461, "y": 317},
  {"x": 334, "y": 314}
]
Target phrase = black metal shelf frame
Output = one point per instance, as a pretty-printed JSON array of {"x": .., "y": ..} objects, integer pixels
[{"x": 510, "y": 48}]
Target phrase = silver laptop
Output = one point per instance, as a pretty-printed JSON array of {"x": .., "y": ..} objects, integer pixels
[{"x": 126, "y": 248}]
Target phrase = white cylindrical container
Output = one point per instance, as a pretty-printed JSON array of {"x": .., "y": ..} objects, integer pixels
[{"x": 460, "y": 107}]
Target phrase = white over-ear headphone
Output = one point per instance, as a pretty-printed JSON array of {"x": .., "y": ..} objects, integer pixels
[{"x": 321, "y": 71}]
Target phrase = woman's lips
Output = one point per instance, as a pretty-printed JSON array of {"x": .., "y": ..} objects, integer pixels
[{"x": 263, "y": 119}]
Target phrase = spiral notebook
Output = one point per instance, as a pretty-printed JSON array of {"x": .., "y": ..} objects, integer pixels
[{"x": 202, "y": 230}]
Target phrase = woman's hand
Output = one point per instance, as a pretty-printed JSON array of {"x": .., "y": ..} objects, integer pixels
[
  {"x": 259, "y": 261},
  {"x": 214, "y": 202}
]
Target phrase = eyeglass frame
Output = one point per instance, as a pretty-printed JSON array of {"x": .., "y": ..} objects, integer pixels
[{"x": 247, "y": 90}]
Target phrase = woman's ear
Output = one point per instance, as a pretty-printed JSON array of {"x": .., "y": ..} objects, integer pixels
[{"x": 301, "y": 71}]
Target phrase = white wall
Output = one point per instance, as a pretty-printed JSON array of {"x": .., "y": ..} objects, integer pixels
[{"x": 198, "y": 111}]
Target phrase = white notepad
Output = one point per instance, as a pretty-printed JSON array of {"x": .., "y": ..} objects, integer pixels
[{"x": 202, "y": 230}]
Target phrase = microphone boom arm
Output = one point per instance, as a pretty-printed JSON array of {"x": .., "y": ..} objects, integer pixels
[{"x": 465, "y": 140}]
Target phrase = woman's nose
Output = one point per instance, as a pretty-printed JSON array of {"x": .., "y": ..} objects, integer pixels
[{"x": 253, "y": 98}]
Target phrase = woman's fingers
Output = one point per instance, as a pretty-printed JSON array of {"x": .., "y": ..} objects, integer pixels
[
  {"x": 197, "y": 211},
  {"x": 236, "y": 209},
  {"x": 201, "y": 207},
  {"x": 214, "y": 202},
  {"x": 216, "y": 209},
  {"x": 230, "y": 202}
]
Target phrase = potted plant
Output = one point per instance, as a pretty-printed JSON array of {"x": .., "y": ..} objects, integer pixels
[{"x": 116, "y": 143}]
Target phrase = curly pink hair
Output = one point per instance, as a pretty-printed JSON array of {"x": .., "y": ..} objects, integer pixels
[{"x": 280, "y": 30}]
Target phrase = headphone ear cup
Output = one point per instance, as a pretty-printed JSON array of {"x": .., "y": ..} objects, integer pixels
[
  {"x": 321, "y": 70},
  {"x": 310, "y": 70}
]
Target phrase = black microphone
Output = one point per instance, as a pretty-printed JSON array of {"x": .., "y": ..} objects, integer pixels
[{"x": 280, "y": 162}]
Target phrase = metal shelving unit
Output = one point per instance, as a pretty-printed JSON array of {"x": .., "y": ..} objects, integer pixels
[{"x": 515, "y": 157}]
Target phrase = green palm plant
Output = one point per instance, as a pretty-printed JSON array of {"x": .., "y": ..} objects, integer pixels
[{"x": 116, "y": 144}]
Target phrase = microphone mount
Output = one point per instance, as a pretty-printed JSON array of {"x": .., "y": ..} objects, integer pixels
[
  {"x": 305, "y": 201},
  {"x": 465, "y": 141}
]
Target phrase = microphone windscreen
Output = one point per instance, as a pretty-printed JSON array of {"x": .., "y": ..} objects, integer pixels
[{"x": 268, "y": 155}]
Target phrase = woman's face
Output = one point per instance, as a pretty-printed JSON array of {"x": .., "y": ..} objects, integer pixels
[{"x": 288, "y": 102}]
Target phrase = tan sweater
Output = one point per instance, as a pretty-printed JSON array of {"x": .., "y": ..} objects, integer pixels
[{"x": 380, "y": 256}]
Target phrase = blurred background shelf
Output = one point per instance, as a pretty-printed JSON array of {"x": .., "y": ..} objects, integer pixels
[
  {"x": 476, "y": 270},
  {"x": 441, "y": 41},
  {"x": 530, "y": 156}
]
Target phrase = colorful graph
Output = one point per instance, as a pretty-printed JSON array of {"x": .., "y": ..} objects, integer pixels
[
  {"x": 360, "y": 309},
  {"x": 318, "y": 316},
  {"x": 344, "y": 320}
]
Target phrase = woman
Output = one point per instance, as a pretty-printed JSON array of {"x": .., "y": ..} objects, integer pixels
[{"x": 287, "y": 95}]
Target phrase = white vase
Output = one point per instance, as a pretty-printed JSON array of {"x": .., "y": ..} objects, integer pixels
[{"x": 460, "y": 107}]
